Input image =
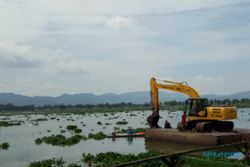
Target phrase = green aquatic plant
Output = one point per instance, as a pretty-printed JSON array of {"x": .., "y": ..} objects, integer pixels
[
  {"x": 6, "y": 123},
  {"x": 60, "y": 140},
  {"x": 38, "y": 141},
  {"x": 73, "y": 165},
  {"x": 63, "y": 131},
  {"x": 71, "y": 127},
  {"x": 88, "y": 157},
  {"x": 97, "y": 136},
  {"x": 121, "y": 122},
  {"x": 54, "y": 162},
  {"x": 40, "y": 119},
  {"x": 4, "y": 146},
  {"x": 78, "y": 130},
  {"x": 48, "y": 163},
  {"x": 112, "y": 158}
]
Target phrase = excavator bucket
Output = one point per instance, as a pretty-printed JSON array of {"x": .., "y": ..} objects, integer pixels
[{"x": 153, "y": 120}]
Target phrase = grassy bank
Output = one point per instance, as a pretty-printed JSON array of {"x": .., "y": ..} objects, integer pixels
[{"x": 112, "y": 158}]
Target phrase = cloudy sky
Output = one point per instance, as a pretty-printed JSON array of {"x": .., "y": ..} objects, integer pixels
[{"x": 51, "y": 47}]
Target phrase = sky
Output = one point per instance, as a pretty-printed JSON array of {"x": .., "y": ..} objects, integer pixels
[{"x": 49, "y": 48}]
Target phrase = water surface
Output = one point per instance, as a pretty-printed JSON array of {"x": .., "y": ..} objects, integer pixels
[{"x": 23, "y": 149}]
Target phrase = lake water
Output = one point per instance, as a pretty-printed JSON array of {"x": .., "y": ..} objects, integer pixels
[{"x": 23, "y": 149}]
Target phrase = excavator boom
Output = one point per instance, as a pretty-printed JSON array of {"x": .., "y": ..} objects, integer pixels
[
  {"x": 167, "y": 85},
  {"x": 172, "y": 86}
]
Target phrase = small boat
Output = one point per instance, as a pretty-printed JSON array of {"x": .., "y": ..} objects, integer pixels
[{"x": 124, "y": 135}]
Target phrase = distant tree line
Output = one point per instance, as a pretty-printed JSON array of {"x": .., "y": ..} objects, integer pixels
[
  {"x": 244, "y": 102},
  {"x": 107, "y": 105},
  {"x": 11, "y": 107}
]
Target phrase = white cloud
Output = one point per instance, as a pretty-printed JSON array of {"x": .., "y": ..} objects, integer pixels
[
  {"x": 17, "y": 56},
  {"x": 118, "y": 22},
  {"x": 24, "y": 56}
]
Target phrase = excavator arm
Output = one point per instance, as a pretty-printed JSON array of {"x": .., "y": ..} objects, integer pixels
[{"x": 180, "y": 87}]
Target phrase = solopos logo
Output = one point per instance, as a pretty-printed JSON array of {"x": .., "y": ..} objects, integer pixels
[{"x": 214, "y": 154}]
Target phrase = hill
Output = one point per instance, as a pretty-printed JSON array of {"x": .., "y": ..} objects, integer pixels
[{"x": 138, "y": 97}]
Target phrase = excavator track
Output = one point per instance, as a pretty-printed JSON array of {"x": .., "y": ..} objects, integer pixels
[
  {"x": 221, "y": 126},
  {"x": 207, "y": 126}
]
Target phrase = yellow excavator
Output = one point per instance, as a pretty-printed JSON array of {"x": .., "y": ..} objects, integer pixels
[{"x": 200, "y": 116}]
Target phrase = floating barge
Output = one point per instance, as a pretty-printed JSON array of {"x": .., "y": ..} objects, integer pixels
[{"x": 207, "y": 139}]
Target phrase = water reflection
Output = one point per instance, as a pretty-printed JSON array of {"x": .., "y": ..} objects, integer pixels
[
  {"x": 167, "y": 147},
  {"x": 130, "y": 140}
]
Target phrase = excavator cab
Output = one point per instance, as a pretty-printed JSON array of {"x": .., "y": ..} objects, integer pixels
[{"x": 196, "y": 107}]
